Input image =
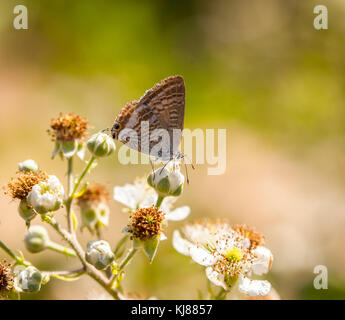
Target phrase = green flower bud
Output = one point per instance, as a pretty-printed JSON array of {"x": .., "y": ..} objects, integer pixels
[
  {"x": 37, "y": 239},
  {"x": 99, "y": 254},
  {"x": 25, "y": 211},
  {"x": 29, "y": 280},
  {"x": 28, "y": 165},
  {"x": 100, "y": 145},
  {"x": 167, "y": 181}
]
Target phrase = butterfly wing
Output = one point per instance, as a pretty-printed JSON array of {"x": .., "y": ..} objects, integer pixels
[{"x": 161, "y": 107}]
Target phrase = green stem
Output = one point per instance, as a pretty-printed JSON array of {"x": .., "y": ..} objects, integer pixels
[
  {"x": 128, "y": 258},
  {"x": 61, "y": 249},
  {"x": 159, "y": 201},
  {"x": 120, "y": 244},
  {"x": 13, "y": 255},
  {"x": 88, "y": 166},
  {"x": 69, "y": 190}
]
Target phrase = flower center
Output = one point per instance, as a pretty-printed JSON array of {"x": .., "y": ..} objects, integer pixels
[{"x": 233, "y": 254}]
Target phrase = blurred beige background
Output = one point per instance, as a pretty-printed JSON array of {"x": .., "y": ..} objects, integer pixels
[{"x": 257, "y": 68}]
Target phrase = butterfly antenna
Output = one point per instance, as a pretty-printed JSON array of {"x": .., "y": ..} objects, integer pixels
[
  {"x": 187, "y": 176},
  {"x": 164, "y": 166},
  {"x": 191, "y": 163}
]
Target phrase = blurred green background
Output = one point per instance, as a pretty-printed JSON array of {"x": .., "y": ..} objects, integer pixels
[{"x": 257, "y": 68}]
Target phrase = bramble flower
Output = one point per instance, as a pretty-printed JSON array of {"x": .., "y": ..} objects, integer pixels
[
  {"x": 229, "y": 255},
  {"x": 145, "y": 228},
  {"x": 94, "y": 209},
  {"x": 140, "y": 195},
  {"x": 6, "y": 279},
  {"x": 28, "y": 279},
  {"x": 99, "y": 254},
  {"x": 68, "y": 131},
  {"x": 46, "y": 196},
  {"x": 168, "y": 180},
  {"x": 37, "y": 239},
  {"x": 146, "y": 223},
  {"x": 28, "y": 165},
  {"x": 100, "y": 145}
]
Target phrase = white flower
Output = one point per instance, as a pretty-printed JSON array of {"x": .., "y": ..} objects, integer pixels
[
  {"x": 28, "y": 165},
  {"x": 99, "y": 254},
  {"x": 229, "y": 254},
  {"x": 140, "y": 195},
  {"x": 46, "y": 196}
]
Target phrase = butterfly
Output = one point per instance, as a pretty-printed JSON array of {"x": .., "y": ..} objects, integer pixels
[{"x": 140, "y": 124}]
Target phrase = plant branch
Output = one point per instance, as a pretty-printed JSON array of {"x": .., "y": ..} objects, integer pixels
[{"x": 14, "y": 256}]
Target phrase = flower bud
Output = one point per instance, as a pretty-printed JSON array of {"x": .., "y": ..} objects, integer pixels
[
  {"x": 100, "y": 145},
  {"x": 29, "y": 280},
  {"x": 99, "y": 254},
  {"x": 25, "y": 210},
  {"x": 167, "y": 181},
  {"x": 46, "y": 196},
  {"x": 28, "y": 165},
  {"x": 94, "y": 209},
  {"x": 36, "y": 239},
  {"x": 95, "y": 215}
]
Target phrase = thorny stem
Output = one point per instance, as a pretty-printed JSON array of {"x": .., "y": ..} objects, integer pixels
[
  {"x": 89, "y": 269},
  {"x": 13, "y": 255}
]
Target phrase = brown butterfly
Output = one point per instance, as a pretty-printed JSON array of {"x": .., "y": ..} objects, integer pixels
[{"x": 161, "y": 107}]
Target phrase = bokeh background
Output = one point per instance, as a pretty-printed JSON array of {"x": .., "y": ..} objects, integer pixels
[{"x": 257, "y": 68}]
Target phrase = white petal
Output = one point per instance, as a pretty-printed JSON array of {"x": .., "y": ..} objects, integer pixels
[
  {"x": 180, "y": 245},
  {"x": 127, "y": 195},
  {"x": 254, "y": 287},
  {"x": 215, "y": 277},
  {"x": 178, "y": 214},
  {"x": 263, "y": 261},
  {"x": 202, "y": 256},
  {"x": 163, "y": 237}
]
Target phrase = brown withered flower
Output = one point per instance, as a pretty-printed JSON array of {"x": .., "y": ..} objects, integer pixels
[
  {"x": 6, "y": 279},
  {"x": 256, "y": 238},
  {"x": 20, "y": 186},
  {"x": 94, "y": 194},
  {"x": 146, "y": 223},
  {"x": 68, "y": 127}
]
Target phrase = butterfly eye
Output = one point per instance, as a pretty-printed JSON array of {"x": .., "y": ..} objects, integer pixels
[{"x": 116, "y": 126}]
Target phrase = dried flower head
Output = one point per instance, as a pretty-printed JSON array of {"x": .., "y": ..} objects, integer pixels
[
  {"x": 6, "y": 278},
  {"x": 256, "y": 238},
  {"x": 146, "y": 223},
  {"x": 20, "y": 187},
  {"x": 94, "y": 194},
  {"x": 68, "y": 127}
]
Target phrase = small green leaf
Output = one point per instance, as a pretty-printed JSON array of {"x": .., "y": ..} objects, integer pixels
[
  {"x": 69, "y": 148},
  {"x": 150, "y": 247},
  {"x": 82, "y": 190}
]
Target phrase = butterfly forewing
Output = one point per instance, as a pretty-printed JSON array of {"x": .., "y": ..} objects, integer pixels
[{"x": 161, "y": 107}]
